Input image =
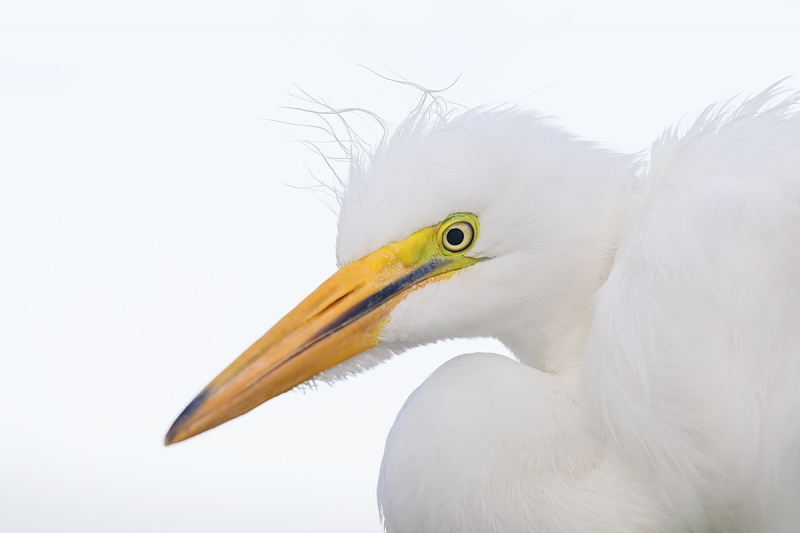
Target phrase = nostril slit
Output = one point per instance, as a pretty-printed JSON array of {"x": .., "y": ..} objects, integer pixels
[{"x": 335, "y": 302}]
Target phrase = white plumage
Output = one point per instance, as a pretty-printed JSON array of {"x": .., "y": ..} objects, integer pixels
[{"x": 656, "y": 315}]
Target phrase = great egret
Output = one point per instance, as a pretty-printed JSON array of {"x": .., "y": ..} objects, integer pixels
[{"x": 655, "y": 314}]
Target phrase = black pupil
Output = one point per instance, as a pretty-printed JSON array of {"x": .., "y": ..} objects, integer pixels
[{"x": 455, "y": 237}]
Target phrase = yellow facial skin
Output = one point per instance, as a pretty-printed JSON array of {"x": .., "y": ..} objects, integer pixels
[{"x": 340, "y": 319}]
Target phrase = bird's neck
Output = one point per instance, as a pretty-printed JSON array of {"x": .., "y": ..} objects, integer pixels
[
  {"x": 564, "y": 349},
  {"x": 554, "y": 347},
  {"x": 550, "y": 333}
]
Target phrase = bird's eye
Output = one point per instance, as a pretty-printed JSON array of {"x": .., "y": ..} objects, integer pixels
[{"x": 458, "y": 237}]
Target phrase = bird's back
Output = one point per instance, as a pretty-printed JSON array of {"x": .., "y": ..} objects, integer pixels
[{"x": 693, "y": 360}]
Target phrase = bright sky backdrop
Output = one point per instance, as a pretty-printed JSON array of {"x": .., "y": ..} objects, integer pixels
[{"x": 147, "y": 235}]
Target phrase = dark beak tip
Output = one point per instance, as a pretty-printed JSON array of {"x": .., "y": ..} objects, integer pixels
[{"x": 173, "y": 435}]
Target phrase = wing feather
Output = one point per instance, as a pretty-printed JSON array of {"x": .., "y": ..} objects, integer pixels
[{"x": 694, "y": 354}]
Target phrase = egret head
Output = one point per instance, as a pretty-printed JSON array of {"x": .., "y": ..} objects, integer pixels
[{"x": 495, "y": 223}]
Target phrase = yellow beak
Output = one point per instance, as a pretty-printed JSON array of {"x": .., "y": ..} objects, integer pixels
[{"x": 340, "y": 319}]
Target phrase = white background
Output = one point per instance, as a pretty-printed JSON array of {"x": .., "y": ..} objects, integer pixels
[{"x": 147, "y": 236}]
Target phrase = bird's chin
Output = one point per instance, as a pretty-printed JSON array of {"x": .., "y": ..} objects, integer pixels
[{"x": 357, "y": 364}]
